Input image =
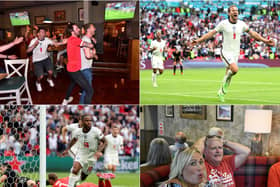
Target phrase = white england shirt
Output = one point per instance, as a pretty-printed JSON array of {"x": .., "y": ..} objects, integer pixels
[
  {"x": 159, "y": 48},
  {"x": 113, "y": 144},
  {"x": 231, "y": 35},
  {"x": 71, "y": 128},
  {"x": 87, "y": 142},
  {"x": 40, "y": 52}
]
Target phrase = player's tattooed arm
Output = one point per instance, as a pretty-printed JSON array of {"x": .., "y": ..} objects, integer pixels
[
  {"x": 73, "y": 141},
  {"x": 64, "y": 131},
  {"x": 258, "y": 37},
  {"x": 102, "y": 144}
]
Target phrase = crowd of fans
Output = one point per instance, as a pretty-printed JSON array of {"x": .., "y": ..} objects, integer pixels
[
  {"x": 19, "y": 132},
  {"x": 180, "y": 25},
  {"x": 126, "y": 116}
]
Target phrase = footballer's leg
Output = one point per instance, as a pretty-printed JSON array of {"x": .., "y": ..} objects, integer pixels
[
  {"x": 75, "y": 174},
  {"x": 154, "y": 77},
  {"x": 174, "y": 67},
  {"x": 181, "y": 67}
]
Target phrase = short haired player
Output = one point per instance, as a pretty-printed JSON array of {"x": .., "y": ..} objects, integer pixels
[
  {"x": 157, "y": 48},
  {"x": 114, "y": 145},
  {"x": 232, "y": 29},
  {"x": 89, "y": 139}
]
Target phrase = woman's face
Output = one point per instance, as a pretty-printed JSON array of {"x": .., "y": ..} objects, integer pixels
[{"x": 193, "y": 171}]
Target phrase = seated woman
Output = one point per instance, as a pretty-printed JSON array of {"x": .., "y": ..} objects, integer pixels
[
  {"x": 158, "y": 155},
  {"x": 187, "y": 169}
]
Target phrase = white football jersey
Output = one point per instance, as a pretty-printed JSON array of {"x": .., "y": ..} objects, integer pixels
[
  {"x": 113, "y": 144},
  {"x": 87, "y": 142},
  {"x": 231, "y": 35},
  {"x": 71, "y": 128},
  {"x": 160, "y": 47},
  {"x": 40, "y": 52}
]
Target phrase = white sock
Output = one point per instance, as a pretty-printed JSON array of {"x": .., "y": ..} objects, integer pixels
[
  {"x": 228, "y": 76},
  {"x": 73, "y": 179},
  {"x": 154, "y": 77}
]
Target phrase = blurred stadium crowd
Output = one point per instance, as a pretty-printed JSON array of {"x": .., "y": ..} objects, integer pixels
[
  {"x": 19, "y": 132},
  {"x": 183, "y": 21},
  {"x": 126, "y": 116}
]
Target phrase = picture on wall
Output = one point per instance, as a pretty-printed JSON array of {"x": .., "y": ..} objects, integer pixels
[
  {"x": 39, "y": 20},
  {"x": 224, "y": 112},
  {"x": 81, "y": 14},
  {"x": 169, "y": 111},
  {"x": 193, "y": 112},
  {"x": 59, "y": 15}
]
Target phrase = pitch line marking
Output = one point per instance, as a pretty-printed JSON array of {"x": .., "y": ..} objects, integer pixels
[
  {"x": 210, "y": 97},
  {"x": 235, "y": 82}
]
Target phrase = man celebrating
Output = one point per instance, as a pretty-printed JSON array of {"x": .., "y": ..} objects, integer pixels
[
  {"x": 74, "y": 65},
  {"x": 220, "y": 168},
  {"x": 232, "y": 29},
  {"x": 42, "y": 62},
  {"x": 157, "y": 48},
  {"x": 88, "y": 140},
  {"x": 87, "y": 55}
]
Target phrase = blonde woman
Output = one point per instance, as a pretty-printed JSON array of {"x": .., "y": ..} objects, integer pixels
[{"x": 187, "y": 169}]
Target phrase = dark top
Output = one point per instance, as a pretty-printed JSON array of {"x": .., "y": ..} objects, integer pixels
[{"x": 11, "y": 178}]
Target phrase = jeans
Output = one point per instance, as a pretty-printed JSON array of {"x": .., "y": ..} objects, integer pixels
[
  {"x": 78, "y": 78},
  {"x": 88, "y": 75}
]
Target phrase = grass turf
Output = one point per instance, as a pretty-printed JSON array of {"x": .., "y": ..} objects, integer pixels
[
  {"x": 121, "y": 180},
  {"x": 200, "y": 86}
]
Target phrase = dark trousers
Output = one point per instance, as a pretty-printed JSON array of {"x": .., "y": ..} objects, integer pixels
[{"x": 78, "y": 78}]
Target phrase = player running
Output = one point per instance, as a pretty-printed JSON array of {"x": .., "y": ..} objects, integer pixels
[
  {"x": 88, "y": 140},
  {"x": 177, "y": 56},
  {"x": 114, "y": 145},
  {"x": 10, "y": 178},
  {"x": 232, "y": 29},
  {"x": 71, "y": 128},
  {"x": 157, "y": 49}
]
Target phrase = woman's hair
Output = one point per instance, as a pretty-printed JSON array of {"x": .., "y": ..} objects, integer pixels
[
  {"x": 180, "y": 160},
  {"x": 159, "y": 153}
]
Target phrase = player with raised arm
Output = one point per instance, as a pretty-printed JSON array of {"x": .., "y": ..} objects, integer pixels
[
  {"x": 157, "y": 48},
  {"x": 88, "y": 140},
  {"x": 71, "y": 128},
  {"x": 114, "y": 145},
  {"x": 232, "y": 29}
]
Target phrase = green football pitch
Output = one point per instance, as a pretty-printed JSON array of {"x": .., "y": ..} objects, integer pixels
[
  {"x": 200, "y": 86},
  {"x": 121, "y": 180},
  {"x": 118, "y": 14}
]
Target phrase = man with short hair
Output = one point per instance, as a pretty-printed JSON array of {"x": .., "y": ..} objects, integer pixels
[
  {"x": 87, "y": 55},
  {"x": 42, "y": 62},
  {"x": 88, "y": 139},
  {"x": 180, "y": 143},
  {"x": 232, "y": 29},
  {"x": 157, "y": 48},
  {"x": 220, "y": 169},
  {"x": 74, "y": 65}
]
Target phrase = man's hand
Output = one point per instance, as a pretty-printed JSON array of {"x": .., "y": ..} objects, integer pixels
[
  {"x": 65, "y": 152},
  {"x": 18, "y": 40},
  {"x": 64, "y": 41},
  {"x": 270, "y": 42},
  {"x": 98, "y": 154},
  {"x": 12, "y": 57},
  {"x": 194, "y": 43},
  {"x": 36, "y": 43}
]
